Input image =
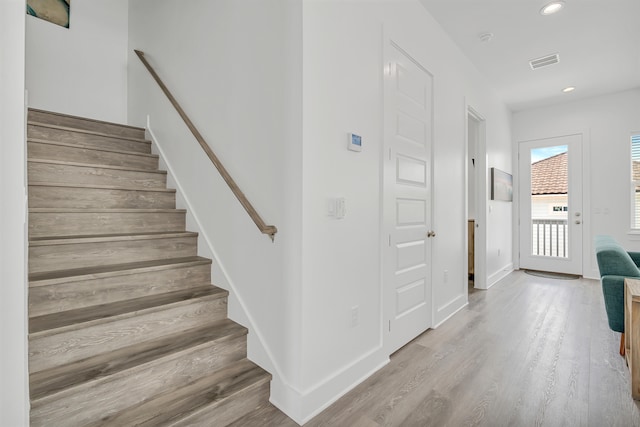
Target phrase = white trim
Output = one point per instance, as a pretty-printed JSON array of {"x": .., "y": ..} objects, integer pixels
[
  {"x": 322, "y": 395},
  {"x": 632, "y": 195},
  {"x": 481, "y": 217},
  {"x": 500, "y": 274},
  {"x": 325, "y": 390},
  {"x": 593, "y": 275},
  {"x": 449, "y": 316}
]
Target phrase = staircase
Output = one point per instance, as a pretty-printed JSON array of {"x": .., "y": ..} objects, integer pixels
[{"x": 125, "y": 327}]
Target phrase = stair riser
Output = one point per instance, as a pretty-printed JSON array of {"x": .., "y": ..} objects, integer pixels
[
  {"x": 86, "y": 293},
  {"x": 38, "y": 150},
  {"x": 50, "y": 349},
  {"x": 76, "y": 406},
  {"x": 230, "y": 410},
  {"x": 86, "y": 124},
  {"x": 98, "y": 198},
  {"x": 87, "y": 139},
  {"x": 48, "y": 172},
  {"x": 43, "y": 224},
  {"x": 81, "y": 255}
]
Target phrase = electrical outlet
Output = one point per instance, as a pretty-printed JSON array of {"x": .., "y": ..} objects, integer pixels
[{"x": 355, "y": 316}]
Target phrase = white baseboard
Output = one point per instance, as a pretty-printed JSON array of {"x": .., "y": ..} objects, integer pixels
[
  {"x": 451, "y": 314},
  {"x": 445, "y": 312},
  {"x": 499, "y": 275},
  {"x": 302, "y": 406}
]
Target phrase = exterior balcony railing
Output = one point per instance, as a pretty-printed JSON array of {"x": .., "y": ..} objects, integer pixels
[{"x": 549, "y": 237}]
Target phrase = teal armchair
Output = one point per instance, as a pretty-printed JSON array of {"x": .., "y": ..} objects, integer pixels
[{"x": 615, "y": 264}]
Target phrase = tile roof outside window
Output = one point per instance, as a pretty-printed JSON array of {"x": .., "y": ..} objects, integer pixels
[{"x": 549, "y": 176}]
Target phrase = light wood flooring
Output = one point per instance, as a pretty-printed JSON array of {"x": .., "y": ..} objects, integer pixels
[{"x": 530, "y": 351}]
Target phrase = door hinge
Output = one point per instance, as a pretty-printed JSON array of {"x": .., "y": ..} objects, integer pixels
[{"x": 389, "y": 325}]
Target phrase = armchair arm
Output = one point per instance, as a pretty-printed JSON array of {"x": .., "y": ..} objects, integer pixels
[
  {"x": 613, "y": 291},
  {"x": 635, "y": 256}
]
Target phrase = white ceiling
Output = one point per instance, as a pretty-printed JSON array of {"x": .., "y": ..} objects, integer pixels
[{"x": 598, "y": 43}]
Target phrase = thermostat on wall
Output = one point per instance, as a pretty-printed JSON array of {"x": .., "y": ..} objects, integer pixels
[{"x": 355, "y": 142}]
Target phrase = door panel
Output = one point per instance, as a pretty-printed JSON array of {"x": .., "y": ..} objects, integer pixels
[
  {"x": 551, "y": 204},
  {"x": 407, "y": 197},
  {"x": 410, "y": 212}
]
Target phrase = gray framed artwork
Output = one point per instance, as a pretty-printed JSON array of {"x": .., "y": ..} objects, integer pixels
[{"x": 501, "y": 185}]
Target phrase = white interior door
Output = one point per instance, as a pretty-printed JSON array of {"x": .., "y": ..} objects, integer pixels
[
  {"x": 408, "y": 89},
  {"x": 550, "y": 190}
]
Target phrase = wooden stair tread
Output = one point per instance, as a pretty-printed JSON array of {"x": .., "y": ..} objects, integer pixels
[
  {"x": 118, "y": 334},
  {"x": 68, "y": 240},
  {"x": 55, "y": 380},
  {"x": 101, "y": 187},
  {"x": 97, "y": 166},
  {"x": 107, "y": 312},
  {"x": 89, "y": 147},
  {"x": 71, "y": 116},
  {"x": 100, "y": 210},
  {"x": 173, "y": 405},
  {"x": 76, "y": 274},
  {"x": 260, "y": 417},
  {"x": 88, "y": 132}
]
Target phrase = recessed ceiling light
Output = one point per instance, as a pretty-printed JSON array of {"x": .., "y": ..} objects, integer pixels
[
  {"x": 552, "y": 8},
  {"x": 568, "y": 89}
]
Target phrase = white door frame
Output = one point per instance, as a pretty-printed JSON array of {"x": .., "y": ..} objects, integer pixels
[
  {"x": 480, "y": 242},
  {"x": 589, "y": 269}
]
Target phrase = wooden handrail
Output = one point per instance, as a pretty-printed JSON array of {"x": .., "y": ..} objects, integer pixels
[{"x": 271, "y": 230}]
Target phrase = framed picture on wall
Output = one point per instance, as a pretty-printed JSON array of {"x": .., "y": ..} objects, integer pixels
[
  {"x": 55, "y": 11},
  {"x": 501, "y": 185}
]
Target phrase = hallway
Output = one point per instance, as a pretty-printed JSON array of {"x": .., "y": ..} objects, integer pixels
[{"x": 529, "y": 351}]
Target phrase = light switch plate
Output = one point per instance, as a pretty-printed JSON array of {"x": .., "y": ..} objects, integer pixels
[{"x": 341, "y": 208}]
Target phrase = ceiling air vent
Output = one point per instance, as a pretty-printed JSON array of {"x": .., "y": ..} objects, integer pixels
[{"x": 544, "y": 61}]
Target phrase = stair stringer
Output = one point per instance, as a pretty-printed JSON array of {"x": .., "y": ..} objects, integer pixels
[{"x": 258, "y": 350}]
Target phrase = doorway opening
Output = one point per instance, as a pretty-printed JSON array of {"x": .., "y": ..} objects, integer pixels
[{"x": 476, "y": 201}]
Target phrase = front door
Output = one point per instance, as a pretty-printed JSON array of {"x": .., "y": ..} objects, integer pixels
[
  {"x": 551, "y": 204},
  {"x": 408, "y": 89}
]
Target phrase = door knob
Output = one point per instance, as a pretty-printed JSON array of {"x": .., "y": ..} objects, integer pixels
[
  {"x": 578, "y": 221},
  {"x": 577, "y": 213},
  {"x": 431, "y": 234}
]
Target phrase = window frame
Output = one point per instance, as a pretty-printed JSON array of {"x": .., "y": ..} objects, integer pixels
[{"x": 634, "y": 205}]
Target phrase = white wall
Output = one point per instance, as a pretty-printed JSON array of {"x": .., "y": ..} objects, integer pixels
[
  {"x": 542, "y": 206},
  {"x": 500, "y": 213},
  {"x": 14, "y": 394},
  {"x": 81, "y": 70},
  {"x": 275, "y": 88},
  {"x": 342, "y": 92},
  {"x": 607, "y": 123},
  {"x": 235, "y": 66}
]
